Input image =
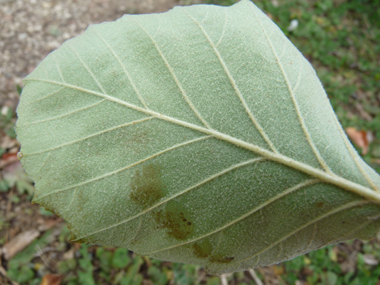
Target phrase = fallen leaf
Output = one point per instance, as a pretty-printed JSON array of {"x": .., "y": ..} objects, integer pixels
[
  {"x": 7, "y": 156},
  {"x": 275, "y": 3},
  {"x": 361, "y": 138},
  {"x": 370, "y": 259},
  {"x": 69, "y": 254},
  {"x": 18, "y": 243},
  {"x": 47, "y": 224},
  {"x": 6, "y": 142},
  {"x": 14, "y": 174},
  {"x": 293, "y": 25},
  {"x": 52, "y": 279},
  {"x": 7, "y": 159},
  {"x": 4, "y": 110}
]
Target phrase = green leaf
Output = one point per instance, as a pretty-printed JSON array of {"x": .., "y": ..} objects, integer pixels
[
  {"x": 66, "y": 265},
  {"x": 331, "y": 278},
  {"x": 132, "y": 277},
  {"x": 4, "y": 186},
  {"x": 105, "y": 260},
  {"x": 19, "y": 89},
  {"x": 86, "y": 278},
  {"x": 120, "y": 258},
  {"x": 213, "y": 281},
  {"x": 200, "y": 135},
  {"x": 26, "y": 274},
  {"x": 156, "y": 276}
]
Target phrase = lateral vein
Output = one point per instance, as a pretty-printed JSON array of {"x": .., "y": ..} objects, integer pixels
[
  {"x": 87, "y": 68},
  {"x": 90, "y": 136},
  {"x": 123, "y": 168},
  {"x": 336, "y": 210},
  {"x": 187, "y": 99},
  {"x": 234, "y": 85},
  {"x": 354, "y": 157},
  {"x": 212, "y": 177},
  {"x": 123, "y": 67},
  {"x": 43, "y": 98},
  {"x": 263, "y": 205},
  {"x": 279, "y": 158},
  {"x": 63, "y": 115},
  {"x": 296, "y": 106},
  {"x": 353, "y": 231}
]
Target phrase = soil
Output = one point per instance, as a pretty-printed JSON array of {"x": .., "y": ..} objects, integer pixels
[{"x": 30, "y": 29}]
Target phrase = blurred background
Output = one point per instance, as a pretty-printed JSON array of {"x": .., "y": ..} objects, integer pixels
[{"x": 340, "y": 38}]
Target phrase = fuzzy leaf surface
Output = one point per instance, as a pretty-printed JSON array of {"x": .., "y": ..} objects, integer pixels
[{"x": 200, "y": 135}]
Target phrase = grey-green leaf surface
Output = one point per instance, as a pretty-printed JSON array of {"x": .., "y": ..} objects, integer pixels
[{"x": 200, "y": 135}]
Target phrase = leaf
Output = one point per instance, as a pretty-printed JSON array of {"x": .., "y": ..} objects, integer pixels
[
  {"x": 120, "y": 258},
  {"x": 52, "y": 279},
  {"x": 19, "y": 242},
  {"x": 200, "y": 135},
  {"x": 361, "y": 138}
]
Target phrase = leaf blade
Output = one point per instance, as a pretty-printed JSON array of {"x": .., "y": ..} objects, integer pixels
[{"x": 245, "y": 170}]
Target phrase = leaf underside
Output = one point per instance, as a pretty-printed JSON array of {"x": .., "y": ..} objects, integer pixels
[{"x": 200, "y": 135}]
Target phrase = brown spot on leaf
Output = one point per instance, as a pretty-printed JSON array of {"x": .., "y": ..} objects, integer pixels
[
  {"x": 204, "y": 249},
  {"x": 319, "y": 204},
  {"x": 174, "y": 219},
  {"x": 221, "y": 259},
  {"x": 146, "y": 186}
]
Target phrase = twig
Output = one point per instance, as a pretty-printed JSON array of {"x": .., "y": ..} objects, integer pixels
[
  {"x": 223, "y": 279},
  {"x": 49, "y": 263},
  {"x": 201, "y": 276},
  {"x": 255, "y": 278},
  {"x": 42, "y": 251},
  {"x": 9, "y": 204},
  {"x": 4, "y": 273}
]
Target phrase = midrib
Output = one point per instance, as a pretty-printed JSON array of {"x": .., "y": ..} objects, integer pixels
[{"x": 317, "y": 173}]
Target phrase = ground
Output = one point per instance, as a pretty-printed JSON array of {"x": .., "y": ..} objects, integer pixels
[{"x": 341, "y": 39}]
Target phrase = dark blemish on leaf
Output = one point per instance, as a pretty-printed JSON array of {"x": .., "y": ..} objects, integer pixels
[
  {"x": 173, "y": 218},
  {"x": 146, "y": 186},
  {"x": 204, "y": 249},
  {"x": 221, "y": 259},
  {"x": 319, "y": 204},
  {"x": 74, "y": 238},
  {"x": 90, "y": 240}
]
